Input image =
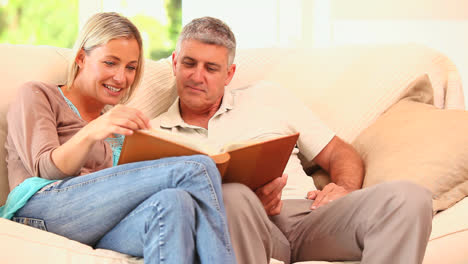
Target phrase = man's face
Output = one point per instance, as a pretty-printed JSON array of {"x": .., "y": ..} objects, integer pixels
[{"x": 201, "y": 72}]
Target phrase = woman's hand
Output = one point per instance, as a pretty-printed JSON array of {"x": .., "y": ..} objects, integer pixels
[
  {"x": 119, "y": 120},
  {"x": 71, "y": 156}
]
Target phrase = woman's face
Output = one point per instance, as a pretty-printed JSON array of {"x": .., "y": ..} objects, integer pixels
[{"x": 107, "y": 71}]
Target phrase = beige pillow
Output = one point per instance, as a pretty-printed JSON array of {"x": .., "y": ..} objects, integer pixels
[
  {"x": 157, "y": 91},
  {"x": 420, "y": 143}
]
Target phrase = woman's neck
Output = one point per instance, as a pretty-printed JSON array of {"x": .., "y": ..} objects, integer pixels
[{"x": 88, "y": 107}]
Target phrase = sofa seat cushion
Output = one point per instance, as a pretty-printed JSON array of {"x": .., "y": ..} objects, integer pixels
[
  {"x": 23, "y": 244},
  {"x": 447, "y": 243}
]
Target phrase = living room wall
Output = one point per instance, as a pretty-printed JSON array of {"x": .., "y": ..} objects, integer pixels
[{"x": 439, "y": 24}]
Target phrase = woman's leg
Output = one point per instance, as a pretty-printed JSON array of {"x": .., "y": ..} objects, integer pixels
[
  {"x": 85, "y": 208},
  {"x": 149, "y": 230}
]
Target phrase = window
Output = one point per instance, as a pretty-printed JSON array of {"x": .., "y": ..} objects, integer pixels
[{"x": 56, "y": 23}]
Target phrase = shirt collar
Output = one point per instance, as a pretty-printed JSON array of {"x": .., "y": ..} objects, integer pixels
[{"x": 172, "y": 117}]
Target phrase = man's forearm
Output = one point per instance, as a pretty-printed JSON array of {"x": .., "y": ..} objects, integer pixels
[
  {"x": 346, "y": 167},
  {"x": 343, "y": 164}
]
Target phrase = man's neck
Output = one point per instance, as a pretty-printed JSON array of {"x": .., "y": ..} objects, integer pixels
[{"x": 200, "y": 117}]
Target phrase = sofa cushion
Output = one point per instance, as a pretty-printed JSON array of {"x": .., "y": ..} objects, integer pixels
[
  {"x": 350, "y": 87},
  {"x": 422, "y": 144},
  {"x": 419, "y": 89},
  {"x": 27, "y": 63},
  {"x": 24, "y": 244},
  {"x": 156, "y": 91}
]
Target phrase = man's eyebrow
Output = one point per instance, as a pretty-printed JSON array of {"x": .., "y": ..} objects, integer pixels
[
  {"x": 188, "y": 58},
  {"x": 208, "y": 63},
  {"x": 213, "y": 64}
]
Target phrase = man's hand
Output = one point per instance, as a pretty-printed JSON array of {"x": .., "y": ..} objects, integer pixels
[
  {"x": 270, "y": 195},
  {"x": 329, "y": 193}
]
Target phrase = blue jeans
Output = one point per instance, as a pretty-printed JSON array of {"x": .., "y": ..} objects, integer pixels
[{"x": 167, "y": 211}]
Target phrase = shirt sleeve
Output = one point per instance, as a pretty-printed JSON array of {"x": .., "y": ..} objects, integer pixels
[
  {"x": 32, "y": 128},
  {"x": 314, "y": 133}
]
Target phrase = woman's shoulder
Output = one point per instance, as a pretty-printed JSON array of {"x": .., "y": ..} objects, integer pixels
[
  {"x": 35, "y": 96},
  {"x": 34, "y": 90},
  {"x": 36, "y": 86}
]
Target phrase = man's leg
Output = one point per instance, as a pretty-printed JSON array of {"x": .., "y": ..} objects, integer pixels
[
  {"x": 255, "y": 239},
  {"x": 386, "y": 223}
]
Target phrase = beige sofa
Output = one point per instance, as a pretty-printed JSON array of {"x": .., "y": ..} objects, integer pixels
[{"x": 348, "y": 87}]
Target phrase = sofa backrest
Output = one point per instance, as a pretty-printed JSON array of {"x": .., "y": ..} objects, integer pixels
[
  {"x": 19, "y": 64},
  {"x": 349, "y": 87},
  {"x": 342, "y": 85}
]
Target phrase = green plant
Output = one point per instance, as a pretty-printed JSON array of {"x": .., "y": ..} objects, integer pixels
[{"x": 55, "y": 23}]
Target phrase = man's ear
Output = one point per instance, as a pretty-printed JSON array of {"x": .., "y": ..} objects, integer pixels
[
  {"x": 174, "y": 62},
  {"x": 231, "y": 71},
  {"x": 80, "y": 57}
]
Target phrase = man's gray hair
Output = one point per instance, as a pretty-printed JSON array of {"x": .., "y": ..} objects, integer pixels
[{"x": 209, "y": 30}]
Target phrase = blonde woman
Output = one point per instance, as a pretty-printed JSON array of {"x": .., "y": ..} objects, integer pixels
[{"x": 62, "y": 154}]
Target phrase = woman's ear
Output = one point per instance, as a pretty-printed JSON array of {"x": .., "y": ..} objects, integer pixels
[{"x": 80, "y": 57}]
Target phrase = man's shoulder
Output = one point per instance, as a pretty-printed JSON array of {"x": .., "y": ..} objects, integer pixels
[{"x": 261, "y": 94}]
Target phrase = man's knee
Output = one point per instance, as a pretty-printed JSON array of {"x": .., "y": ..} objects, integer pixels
[
  {"x": 240, "y": 196},
  {"x": 237, "y": 190},
  {"x": 240, "y": 202},
  {"x": 409, "y": 197},
  {"x": 249, "y": 225}
]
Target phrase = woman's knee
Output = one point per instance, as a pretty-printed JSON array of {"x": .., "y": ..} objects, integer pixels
[
  {"x": 205, "y": 164},
  {"x": 175, "y": 201},
  {"x": 202, "y": 159}
]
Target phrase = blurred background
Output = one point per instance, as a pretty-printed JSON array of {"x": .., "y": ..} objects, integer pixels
[
  {"x": 439, "y": 24},
  {"x": 56, "y": 22}
]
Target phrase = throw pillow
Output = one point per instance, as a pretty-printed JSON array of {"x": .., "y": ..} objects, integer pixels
[
  {"x": 420, "y": 143},
  {"x": 157, "y": 91}
]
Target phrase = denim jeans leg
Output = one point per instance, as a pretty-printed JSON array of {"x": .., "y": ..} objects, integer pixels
[
  {"x": 162, "y": 229},
  {"x": 87, "y": 207}
]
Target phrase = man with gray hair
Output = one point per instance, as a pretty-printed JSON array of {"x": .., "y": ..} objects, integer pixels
[{"x": 387, "y": 223}]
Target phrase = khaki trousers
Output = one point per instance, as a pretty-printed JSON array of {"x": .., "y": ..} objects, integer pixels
[{"x": 386, "y": 223}]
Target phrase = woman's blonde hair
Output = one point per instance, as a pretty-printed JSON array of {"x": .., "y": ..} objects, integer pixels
[{"x": 100, "y": 29}]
